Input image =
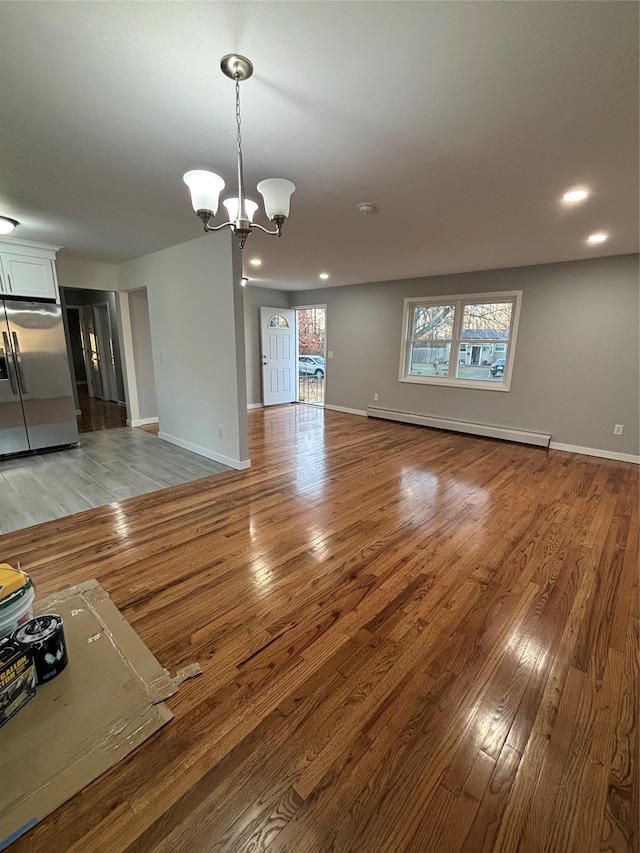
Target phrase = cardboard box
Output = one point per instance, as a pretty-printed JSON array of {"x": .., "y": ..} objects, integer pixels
[
  {"x": 107, "y": 701},
  {"x": 17, "y": 678}
]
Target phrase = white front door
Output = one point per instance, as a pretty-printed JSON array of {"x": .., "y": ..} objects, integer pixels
[{"x": 278, "y": 338}]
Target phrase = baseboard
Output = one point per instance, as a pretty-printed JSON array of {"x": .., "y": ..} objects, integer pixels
[
  {"x": 490, "y": 431},
  {"x": 238, "y": 464},
  {"x": 344, "y": 409},
  {"x": 593, "y": 451},
  {"x": 255, "y": 406},
  {"x": 486, "y": 430},
  {"x": 136, "y": 422}
]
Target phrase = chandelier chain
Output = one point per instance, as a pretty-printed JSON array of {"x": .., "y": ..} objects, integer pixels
[{"x": 239, "y": 133}]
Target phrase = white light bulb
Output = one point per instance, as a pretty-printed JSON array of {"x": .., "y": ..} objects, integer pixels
[
  {"x": 598, "y": 237},
  {"x": 573, "y": 196}
]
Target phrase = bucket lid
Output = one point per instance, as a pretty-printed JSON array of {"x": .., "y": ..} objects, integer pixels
[
  {"x": 10, "y": 579},
  {"x": 14, "y": 585}
]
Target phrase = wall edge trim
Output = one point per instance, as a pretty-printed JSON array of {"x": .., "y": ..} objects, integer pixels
[
  {"x": 594, "y": 451},
  {"x": 136, "y": 422},
  {"x": 238, "y": 464},
  {"x": 361, "y": 412}
]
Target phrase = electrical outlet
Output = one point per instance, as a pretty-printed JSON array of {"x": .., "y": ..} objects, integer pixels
[
  {"x": 617, "y": 429},
  {"x": 375, "y": 397}
]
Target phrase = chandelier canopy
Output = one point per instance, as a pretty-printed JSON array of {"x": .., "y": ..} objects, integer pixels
[{"x": 205, "y": 187}]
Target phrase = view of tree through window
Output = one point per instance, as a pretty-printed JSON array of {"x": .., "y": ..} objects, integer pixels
[
  {"x": 311, "y": 328},
  {"x": 461, "y": 340},
  {"x": 433, "y": 322}
]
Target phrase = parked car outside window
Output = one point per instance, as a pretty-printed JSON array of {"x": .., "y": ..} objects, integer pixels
[
  {"x": 497, "y": 368},
  {"x": 311, "y": 365}
]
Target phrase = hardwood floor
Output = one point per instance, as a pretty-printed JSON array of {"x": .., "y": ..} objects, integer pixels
[
  {"x": 101, "y": 414},
  {"x": 98, "y": 414},
  {"x": 411, "y": 640},
  {"x": 152, "y": 429}
]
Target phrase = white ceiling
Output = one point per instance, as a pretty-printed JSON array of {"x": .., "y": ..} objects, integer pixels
[{"x": 463, "y": 121}]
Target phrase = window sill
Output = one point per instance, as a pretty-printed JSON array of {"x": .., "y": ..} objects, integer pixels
[{"x": 477, "y": 385}]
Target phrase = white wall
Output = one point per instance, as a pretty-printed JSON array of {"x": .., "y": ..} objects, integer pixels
[
  {"x": 196, "y": 325},
  {"x": 576, "y": 369},
  {"x": 142, "y": 350},
  {"x": 86, "y": 275}
]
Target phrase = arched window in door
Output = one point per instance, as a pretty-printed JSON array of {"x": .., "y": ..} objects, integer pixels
[{"x": 278, "y": 322}]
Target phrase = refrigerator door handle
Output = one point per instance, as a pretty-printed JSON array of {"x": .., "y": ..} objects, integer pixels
[
  {"x": 16, "y": 346},
  {"x": 10, "y": 363}
]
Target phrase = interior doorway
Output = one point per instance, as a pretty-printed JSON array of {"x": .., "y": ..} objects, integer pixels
[
  {"x": 311, "y": 329},
  {"x": 91, "y": 330},
  {"x": 91, "y": 342}
]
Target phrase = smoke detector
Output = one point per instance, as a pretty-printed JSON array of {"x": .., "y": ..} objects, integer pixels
[{"x": 367, "y": 208}]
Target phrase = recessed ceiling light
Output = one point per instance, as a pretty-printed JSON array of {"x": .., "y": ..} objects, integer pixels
[
  {"x": 324, "y": 275},
  {"x": 576, "y": 195},
  {"x": 255, "y": 262},
  {"x": 367, "y": 208},
  {"x": 7, "y": 225},
  {"x": 598, "y": 237}
]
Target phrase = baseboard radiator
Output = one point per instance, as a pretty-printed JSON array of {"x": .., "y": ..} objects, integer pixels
[{"x": 487, "y": 430}]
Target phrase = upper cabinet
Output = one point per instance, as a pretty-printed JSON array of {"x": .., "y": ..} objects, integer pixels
[{"x": 28, "y": 269}]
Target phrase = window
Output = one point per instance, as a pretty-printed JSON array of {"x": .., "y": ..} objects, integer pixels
[
  {"x": 278, "y": 322},
  {"x": 467, "y": 341}
]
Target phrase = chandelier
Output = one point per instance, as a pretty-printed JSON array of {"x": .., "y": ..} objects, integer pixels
[{"x": 205, "y": 187}]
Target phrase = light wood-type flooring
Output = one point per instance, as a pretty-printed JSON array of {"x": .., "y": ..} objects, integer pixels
[
  {"x": 108, "y": 465},
  {"x": 411, "y": 640}
]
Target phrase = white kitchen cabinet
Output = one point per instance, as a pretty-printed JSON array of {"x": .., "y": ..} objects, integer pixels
[{"x": 28, "y": 269}]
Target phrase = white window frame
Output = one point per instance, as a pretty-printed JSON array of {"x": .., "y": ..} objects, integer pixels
[{"x": 459, "y": 301}]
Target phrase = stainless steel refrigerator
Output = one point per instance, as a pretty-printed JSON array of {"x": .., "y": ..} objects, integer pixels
[{"x": 36, "y": 400}]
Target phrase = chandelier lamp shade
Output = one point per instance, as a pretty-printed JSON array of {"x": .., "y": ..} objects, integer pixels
[
  {"x": 205, "y": 187},
  {"x": 233, "y": 208},
  {"x": 7, "y": 224}
]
